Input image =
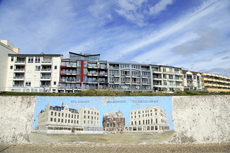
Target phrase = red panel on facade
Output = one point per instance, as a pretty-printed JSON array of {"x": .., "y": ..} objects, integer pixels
[{"x": 82, "y": 64}]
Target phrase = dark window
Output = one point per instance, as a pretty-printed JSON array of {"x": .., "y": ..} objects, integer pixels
[
  {"x": 54, "y": 82},
  {"x": 12, "y": 58},
  {"x": 11, "y": 67},
  {"x": 55, "y": 67}
]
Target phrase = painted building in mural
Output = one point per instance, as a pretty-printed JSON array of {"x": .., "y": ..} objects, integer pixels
[
  {"x": 113, "y": 122},
  {"x": 65, "y": 120},
  {"x": 53, "y": 73},
  {"x": 149, "y": 119}
]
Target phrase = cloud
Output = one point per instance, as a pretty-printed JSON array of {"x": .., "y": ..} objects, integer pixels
[
  {"x": 222, "y": 52},
  {"x": 226, "y": 57},
  {"x": 207, "y": 38},
  {"x": 99, "y": 8},
  {"x": 160, "y": 6},
  {"x": 219, "y": 71}
]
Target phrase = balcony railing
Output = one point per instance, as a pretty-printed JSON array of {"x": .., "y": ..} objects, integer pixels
[
  {"x": 145, "y": 76},
  {"x": 45, "y": 69},
  {"x": 102, "y": 81},
  {"x": 93, "y": 73},
  {"x": 46, "y": 62},
  {"x": 116, "y": 75},
  {"x": 17, "y": 85},
  {"x": 157, "y": 71},
  {"x": 20, "y": 62},
  {"x": 127, "y": 75},
  {"x": 45, "y": 85},
  {"x": 19, "y": 69},
  {"x": 103, "y": 67},
  {"x": 104, "y": 74},
  {"x": 46, "y": 77},
  {"x": 157, "y": 77},
  {"x": 19, "y": 77},
  {"x": 113, "y": 67},
  {"x": 135, "y": 76}
]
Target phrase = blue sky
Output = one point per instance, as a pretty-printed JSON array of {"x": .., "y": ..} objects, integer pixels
[{"x": 192, "y": 34}]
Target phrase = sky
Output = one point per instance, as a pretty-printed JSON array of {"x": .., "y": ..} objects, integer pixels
[{"x": 191, "y": 34}]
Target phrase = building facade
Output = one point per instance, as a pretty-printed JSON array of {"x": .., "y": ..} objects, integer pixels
[
  {"x": 192, "y": 80},
  {"x": 167, "y": 78},
  {"x": 65, "y": 120},
  {"x": 215, "y": 83},
  {"x": 5, "y": 48},
  {"x": 149, "y": 119},
  {"x": 113, "y": 122},
  {"x": 130, "y": 77}
]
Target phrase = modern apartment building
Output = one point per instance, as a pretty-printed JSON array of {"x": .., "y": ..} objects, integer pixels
[
  {"x": 149, "y": 119},
  {"x": 214, "y": 82},
  {"x": 5, "y": 48},
  {"x": 192, "y": 80},
  {"x": 167, "y": 78},
  {"x": 113, "y": 122},
  {"x": 80, "y": 72},
  {"x": 65, "y": 120},
  {"x": 129, "y": 77},
  {"x": 33, "y": 72}
]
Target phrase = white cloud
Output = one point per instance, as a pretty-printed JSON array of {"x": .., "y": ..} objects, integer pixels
[{"x": 160, "y": 6}]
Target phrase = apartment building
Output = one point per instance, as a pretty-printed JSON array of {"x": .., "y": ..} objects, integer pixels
[
  {"x": 113, "y": 122},
  {"x": 65, "y": 120},
  {"x": 192, "y": 80},
  {"x": 148, "y": 119},
  {"x": 82, "y": 72},
  {"x": 216, "y": 83},
  {"x": 167, "y": 78},
  {"x": 33, "y": 72},
  {"x": 89, "y": 120},
  {"x": 129, "y": 77},
  {"x": 5, "y": 48}
]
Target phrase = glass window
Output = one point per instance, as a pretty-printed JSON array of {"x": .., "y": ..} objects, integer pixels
[
  {"x": 54, "y": 82},
  {"x": 164, "y": 69},
  {"x": 194, "y": 77},
  {"x": 12, "y": 58},
  {"x": 55, "y": 67},
  {"x": 11, "y": 67},
  {"x": 78, "y": 70}
]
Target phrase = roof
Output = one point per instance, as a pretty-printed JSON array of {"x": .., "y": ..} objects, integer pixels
[
  {"x": 129, "y": 63},
  {"x": 195, "y": 73},
  {"x": 35, "y": 55},
  {"x": 165, "y": 66},
  {"x": 62, "y": 108},
  {"x": 85, "y": 55}
]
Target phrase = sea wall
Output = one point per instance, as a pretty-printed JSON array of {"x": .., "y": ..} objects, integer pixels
[{"x": 196, "y": 119}]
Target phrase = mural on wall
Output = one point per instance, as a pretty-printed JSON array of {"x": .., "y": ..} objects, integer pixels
[{"x": 102, "y": 115}]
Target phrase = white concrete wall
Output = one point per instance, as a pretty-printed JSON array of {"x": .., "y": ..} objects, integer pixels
[
  {"x": 197, "y": 119},
  {"x": 4, "y": 67},
  {"x": 201, "y": 119},
  {"x": 16, "y": 118}
]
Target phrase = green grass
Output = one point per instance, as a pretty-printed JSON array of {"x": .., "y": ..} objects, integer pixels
[{"x": 93, "y": 92}]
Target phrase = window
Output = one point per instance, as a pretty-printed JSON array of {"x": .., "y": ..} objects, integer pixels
[
  {"x": 85, "y": 71},
  {"x": 30, "y": 59},
  {"x": 37, "y": 59},
  {"x": 124, "y": 66},
  {"x": 184, "y": 75},
  {"x": 78, "y": 70},
  {"x": 37, "y": 68},
  {"x": 170, "y": 76},
  {"x": 11, "y": 67},
  {"x": 164, "y": 69},
  {"x": 78, "y": 63},
  {"x": 54, "y": 82},
  {"x": 55, "y": 67},
  {"x": 12, "y": 58},
  {"x": 194, "y": 77},
  {"x": 28, "y": 83}
]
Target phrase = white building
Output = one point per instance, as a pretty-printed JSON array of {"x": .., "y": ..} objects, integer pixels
[
  {"x": 149, "y": 119},
  {"x": 89, "y": 119},
  {"x": 192, "y": 80},
  {"x": 33, "y": 72},
  {"x": 65, "y": 120},
  {"x": 5, "y": 48}
]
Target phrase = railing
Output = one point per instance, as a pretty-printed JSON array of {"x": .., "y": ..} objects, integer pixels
[
  {"x": 135, "y": 76},
  {"x": 19, "y": 69},
  {"x": 157, "y": 71},
  {"x": 145, "y": 82},
  {"x": 178, "y": 79},
  {"x": 103, "y": 67},
  {"x": 102, "y": 81},
  {"x": 116, "y": 82},
  {"x": 92, "y": 66},
  {"x": 45, "y": 69},
  {"x": 157, "y": 77},
  {"x": 116, "y": 75},
  {"x": 46, "y": 62},
  {"x": 127, "y": 75},
  {"x": 17, "y": 85},
  {"x": 145, "y": 76},
  {"x": 127, "y": 82},
  {"x": 114, "y": 67},
  {"x": 145, "y": 69},
  {"x": 20, "y": 62},
  {"x": 46, "y": 85},
  {"x": 93, "y": 73},
  {"x": 157, "y": 84},
  {"x": 46, "y": 77},
  {"x": 176, "y": 72},
  {"x": 103, "y": 74},
  {"x": 19, "y": 77}
]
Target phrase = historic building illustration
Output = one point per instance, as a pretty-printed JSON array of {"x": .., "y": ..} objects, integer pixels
[
  {"x": 149, "y": 119},
  {"x": 65, "y": 120},
  {"x": 113, "y": 122}
]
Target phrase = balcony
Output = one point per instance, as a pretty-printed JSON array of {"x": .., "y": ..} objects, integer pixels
[
  {"x": 157, "y": 84},
  {"x": 127, "y": 75},
  {"x": 103, "y": 74},
  {"x": 145, "y": 83},
  {"x": 70, "y": 80},
  {"x": 134, "y": 82},
  {"x": 45, "y": 85},
  {"x": 157, "y": 71},
  {"x": 178, "y": 73},
  {"x": 135, "y": 76},
  {"x": 19, "y": 78},
  {"x": 19, "y": 70},
  {"x": 127, "y": 82},
  {"x": 102, "y": 67},
  {"x": 70, "y": 73},
  {"x": 92, "y": 66},
  {"x": 46, "y": 62},
  {"x": 116, "y": 82},
  {"x": 92, "y": 81},
  {"x": 92, "y": 74},
  {"x": 20, "y": 62},
  {"x": 71, "y": 65},
  {"x": 116, "y": 75},
  {"x": 157, "y": 78},
  {"x": 113, "y": 67},
  {"x": 179, "y": 79},
  {"x": 46, "y": 70},
  {"x": 45, "y": 77},
  {"x": 18, "y": 85},
  {"x": 102, "y": 81},
  {"x": 145, "y": 76}
]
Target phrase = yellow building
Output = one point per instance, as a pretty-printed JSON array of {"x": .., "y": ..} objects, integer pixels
[{"x": 214, "y": 82}]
